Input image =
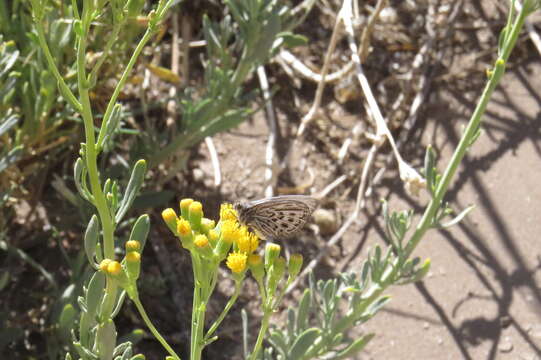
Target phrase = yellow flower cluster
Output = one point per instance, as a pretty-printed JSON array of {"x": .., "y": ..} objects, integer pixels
[
  {"x": 236, "y": 261},
  {"x": 228, "y": 240}
]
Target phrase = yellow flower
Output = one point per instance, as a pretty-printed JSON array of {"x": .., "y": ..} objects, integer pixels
[
  {"x": 114, "y": 267},
  {"x": 104, "y": 263},
  {"x": 247, "y": 242},
  {"x": 133, "y": 245},
  {"x": 133, "y": 257},
  {"x": 170, "y": 218},
  {"x": 236, "y": 262},
  {"x": 183, "y": 227},
  {"x": 227, "y": 212},
  {"x": 184, "y": 207},
  {"x": 213, "y": 236},
  {"x": 201, "y": 241},
  {"x": 230, "y": 230}
]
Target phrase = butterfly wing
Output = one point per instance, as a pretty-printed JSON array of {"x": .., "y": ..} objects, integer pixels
[{"x": 282, "y": 216}]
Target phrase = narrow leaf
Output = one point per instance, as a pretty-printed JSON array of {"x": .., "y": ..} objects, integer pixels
[
  {"x": 140, "y": 230},
  {"x": 91, "y": 239},
  {"x": 354, "y": 347},
  {"x": 458, "y": 218},
  {"x": 136, "y": 180},
  {"x": 94, "y": 294},
  {"x": 8, "y": 123},
  {"x": 303, "y": 342},
  {"x": 106, "y": 339}
]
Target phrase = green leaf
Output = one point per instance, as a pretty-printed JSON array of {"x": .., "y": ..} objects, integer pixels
[
  {"x": 84, "y": 352},
  {"x": 302, "y": 312},
  {"x": 91, "y": 239},
  {"x": 291, "y": 323},
  {"x": 106, "y": 339},
  {"x": 458, "y": 218},
  {"x": 7, "y": 123},
  {"x": 377, "y": 305},
  {"x": 140, "y": 230},
  {"x": 303, "y": 342},
  {"x": 12, "y": 156},
  {"x": 135, "y": 183},
  {"x": 293, "y": 40},
  {"x": 79, "y": 175},
  {"x": 124, "y": 349},
  {"x": 95, "y": 293},
  {"x": 278, "y": 341},
  {"x": 354, "y": 347},
  {"x": 430, "y": 167},
  {"x": 113, "y": 123},
  {"x": 8, "y": 60},
  {"x": 138, "y": 357},
  {"x": 66, "y": 321}
]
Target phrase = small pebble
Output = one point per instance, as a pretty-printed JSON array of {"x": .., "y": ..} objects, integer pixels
[
  {"x": 198, "y": 174},
  {"x": 326, "y": 220},
  {"x": 505, "y": 346}
]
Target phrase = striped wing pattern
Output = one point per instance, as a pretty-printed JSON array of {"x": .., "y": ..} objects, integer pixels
[{"x": 278, "y": 217}]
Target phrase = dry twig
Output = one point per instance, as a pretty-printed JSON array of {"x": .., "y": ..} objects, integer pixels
[{"x": 270, "y": 178}]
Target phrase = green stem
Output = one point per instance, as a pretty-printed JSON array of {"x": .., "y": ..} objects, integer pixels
[
  {"x": 110, "y": 41},
  {"x": 195, "y": 304},
  {"x": 68, "y": 94},
  {"x": 200, "y": 298},
  {"x": 465, "y": 142},
  {"x": 91, "y": 153},
  {"x": 151, "y": 327},
  {"x": 262, "y": 331},
  {"x": 121, "y": 82},
  {"x": 109, "y": 300},
  {"x": 225, "y": 311}
]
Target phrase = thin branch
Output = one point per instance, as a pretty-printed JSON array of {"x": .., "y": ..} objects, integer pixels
[
  {"x": 215, "y": 161},
  {"x": 367, "y": 31},
  {"x": 175, "y": 55},
  {"x": 321, "y": 85},
  {"x": 270, "y": 180}
]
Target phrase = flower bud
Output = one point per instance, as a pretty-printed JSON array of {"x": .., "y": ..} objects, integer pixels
[
  {"x": 276, "y": 273},
  {"x": 207, "y": 225},
  {"x": 104, "y": 264},
  {"x": 255, "y": 263},
  {"x": 133, "y": 245},
  {"x": 184, "y": 207},
  {"x": 170, "y": 218},
  {"x": 114, "y": 268},
  {"x": 213, "y": 236},
  {"x": 202, "y": 246},
  {"x": 295, "y": 264},
  {"x": 228, "y": 234},
  {"x": 185, "y": 233},
  {"x": 195, "y": 215},
  {"x": 272, "y": 251}
]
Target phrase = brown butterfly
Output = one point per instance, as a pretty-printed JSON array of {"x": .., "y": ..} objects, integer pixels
[{"x": 277, "y": 217}]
